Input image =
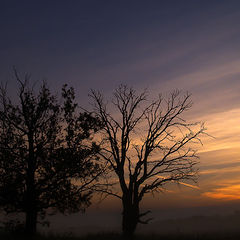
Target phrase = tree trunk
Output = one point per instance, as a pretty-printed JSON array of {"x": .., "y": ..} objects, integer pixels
[
  {"x": 31, "y": 205},
  {"x": 31, "y": 222},
  {"x": 129, "y": 218}
]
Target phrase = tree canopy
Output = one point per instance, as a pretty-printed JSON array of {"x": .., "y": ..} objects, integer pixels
[{"x": 48, "y": 160}]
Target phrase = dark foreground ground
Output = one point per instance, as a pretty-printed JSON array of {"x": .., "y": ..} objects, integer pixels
[
  {"x": 215, "y": 227},
  {"x": 115, "y": 236}
]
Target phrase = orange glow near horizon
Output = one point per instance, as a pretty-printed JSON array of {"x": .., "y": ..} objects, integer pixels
[{"x": 231, "y": 192}]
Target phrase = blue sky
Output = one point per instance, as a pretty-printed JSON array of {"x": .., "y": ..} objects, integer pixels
[{"x": 98, "y": 44}]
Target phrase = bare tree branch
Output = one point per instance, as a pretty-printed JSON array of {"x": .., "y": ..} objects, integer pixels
[{"x": 146, "y": 144}]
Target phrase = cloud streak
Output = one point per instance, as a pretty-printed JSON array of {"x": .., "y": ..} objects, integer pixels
[
  {"x": 229, "y": 192},
  {"x": 182, "y": 183}
]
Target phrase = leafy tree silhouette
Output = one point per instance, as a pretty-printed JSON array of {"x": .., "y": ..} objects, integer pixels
[
  {"x": 48, "y": 160},
  {"x": 146, "y": 145}
]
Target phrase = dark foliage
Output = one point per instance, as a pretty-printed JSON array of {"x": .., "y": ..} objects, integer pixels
[{"x": 48, "y": 160}]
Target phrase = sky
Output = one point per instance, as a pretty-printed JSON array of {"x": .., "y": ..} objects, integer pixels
[{"x": 191, "y": 45}]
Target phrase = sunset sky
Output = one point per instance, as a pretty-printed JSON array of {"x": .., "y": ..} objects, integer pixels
[{"x": 191, "y": 45}]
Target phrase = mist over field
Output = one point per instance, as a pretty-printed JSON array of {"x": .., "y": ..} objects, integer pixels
[{"x": 198, "y": 220}]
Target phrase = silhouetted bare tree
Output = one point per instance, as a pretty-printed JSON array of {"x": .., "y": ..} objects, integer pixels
[
  {"x": 47, "y": 160},
  {"x": 146, "y": 144}
]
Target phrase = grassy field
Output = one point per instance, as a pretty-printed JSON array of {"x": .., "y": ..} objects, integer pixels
[{"x": 114, "y": 236}]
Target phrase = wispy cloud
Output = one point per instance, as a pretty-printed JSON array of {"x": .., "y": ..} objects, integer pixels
[
  {"x": 190, "y": 185},
  {"x": 182, "y": 183},
  {"x": 230, "y": 192},
  {"x": 220, "y": 171}
]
